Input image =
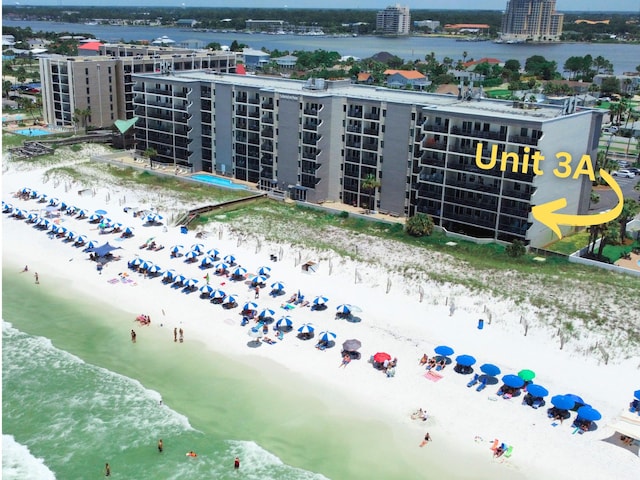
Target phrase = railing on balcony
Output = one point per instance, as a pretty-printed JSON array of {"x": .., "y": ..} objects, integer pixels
[
  {"x": 522, "y": 139},
  {"x": 435, "y": 128}
]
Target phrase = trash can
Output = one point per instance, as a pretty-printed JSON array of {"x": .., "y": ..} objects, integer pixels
[
  {"x": 480, "y": 324},
  {"x": 184, "y": 229}
]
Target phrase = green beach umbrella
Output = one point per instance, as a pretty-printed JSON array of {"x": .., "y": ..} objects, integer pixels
[{"x": 527, "y": 375}]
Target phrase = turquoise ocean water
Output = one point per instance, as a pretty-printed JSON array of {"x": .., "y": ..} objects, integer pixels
[{"x": 77, "y": 393}]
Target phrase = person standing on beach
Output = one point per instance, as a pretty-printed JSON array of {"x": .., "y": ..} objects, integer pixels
[
  {"x": 427, "y": 439},
  {"x": 160, "y": 446},
  {"x": 107, "y": 470},
  {"x": 257, "y": 292},
  {"x": 236, "y": 463},
  {"x": 181, "y": 336},
  {"x": 37, "y": 278},
  {"x": 175, "y": 334},
  {"x": 133, "y": 336}
]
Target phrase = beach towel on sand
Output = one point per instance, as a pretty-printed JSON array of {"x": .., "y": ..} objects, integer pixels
[{"x": 433, "y": 376}]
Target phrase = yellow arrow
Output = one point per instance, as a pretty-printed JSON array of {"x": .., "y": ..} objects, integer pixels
[{"x": 546, "y": 213}]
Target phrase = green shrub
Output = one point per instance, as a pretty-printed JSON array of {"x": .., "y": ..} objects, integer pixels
[{"x": 419, "y": 225}]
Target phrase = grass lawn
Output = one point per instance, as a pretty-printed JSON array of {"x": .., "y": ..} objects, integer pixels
[
  {"x": 570, "y": 244},
  {"x": 614, "y": 252}
]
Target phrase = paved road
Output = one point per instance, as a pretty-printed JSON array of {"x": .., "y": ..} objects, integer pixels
[{"x": 608, "y": 198}]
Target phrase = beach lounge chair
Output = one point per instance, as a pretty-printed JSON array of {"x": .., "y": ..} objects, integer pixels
[
  {"x": 537, "y": 403},
  {"x": 473, "y": 381},
  {"x": 508, "y": 451},
  {"x": 482, "y": 386}
]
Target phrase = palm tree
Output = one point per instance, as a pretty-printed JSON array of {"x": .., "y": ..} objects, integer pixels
[
  {"x": 150, "y": 153},
  {"x": 609, "y": 234},
  {"x": 371, "y": 184},
  {"x": 630, "y": 209},
  {"x": 80, "y": 116}
]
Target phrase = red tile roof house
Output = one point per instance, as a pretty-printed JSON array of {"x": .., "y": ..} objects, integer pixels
[{"x": 406, "y": 78}]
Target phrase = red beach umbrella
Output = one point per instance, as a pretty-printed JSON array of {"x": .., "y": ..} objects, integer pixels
[{"x": 380, "y": 357}]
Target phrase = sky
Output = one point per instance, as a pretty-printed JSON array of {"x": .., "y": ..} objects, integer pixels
[{"x": 561, "y": 5}]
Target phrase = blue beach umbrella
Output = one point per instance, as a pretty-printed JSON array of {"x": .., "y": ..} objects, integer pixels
[
  {"x": 206, "y": 290},
  {"x": 146, "y": 265},
  {"x": 250, "y": 306},
  {"x": 177, "y": 249},
  {"x": 212, "y": 252},
  {"x": 92, "y": 244},
  {"x": 128, "y": 231},
  {"x": 229, "y": 258},
  {"x": 306, "y": 328},
  {"x": 443, "y": 350},
  {"x": 169, "y": 274},
  {"x": 513, "y": 381},
  {"x": 82, "y": 213},
  {"x": 81, "y": 239},
  {"x": 327, "y": 336},
  {"x": 284, "y": 322},
  {"x": 344, "y": 308},
  {"x": 320, "y": 300},
  {"x": 266, "y": 313},
  {"x": 101, "y": 212},
  {"x": 191, "y": 255},
  {"x": 258, "y": 279},
  {"x": 465, "y": 360},
  {"x": 490, "y": 369},
  {"x": 34, "y": 194},
  {"x": 94, "y": 217},
  {"x": 198, "y": 247},
  {"x": 136, "y": 262},
  {"x": 54, "y": 202},
  {"x": 636, "y": 394},
  {"x": 239, "y": 272},
  {"x": 588, "y": 413},
  {"x": 217, "y": 294},
  {"x": 33, "y": 217},
  {"x": 71, "y": 235},
  {"x": 277, "y": 286},
  {"x": 206, "y": 261},
  {"x": 230, "y": 299},
  {"x": 221, "y": 266},
  {"x": 264, "y": 270},
  {"x": 577, "y": 400},
  {"x": 192, "y": 282},
  {"x": 537, "y": 390},
  {"x": 180, "y": 279},
  {"x": 155, "y": 270},
  {"x": 562, "y": 402}
]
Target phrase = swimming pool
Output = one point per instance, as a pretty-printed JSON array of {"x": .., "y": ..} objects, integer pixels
[
  {"x": 218, "y": 182},
  {"x": 32, "y": 132}
]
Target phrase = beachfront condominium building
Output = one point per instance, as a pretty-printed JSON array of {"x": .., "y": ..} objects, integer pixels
[
  {"x": 102, "y": 86},
  {"x": 531, "y": 21},
  {"x": 393, "y": 20},
  {"x": 318, "y": 141}
]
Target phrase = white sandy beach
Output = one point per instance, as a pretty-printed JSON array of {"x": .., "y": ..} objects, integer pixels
[{"x": 462, "y": 422}]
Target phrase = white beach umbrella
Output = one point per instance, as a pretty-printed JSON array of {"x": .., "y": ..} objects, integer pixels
[
  {"x": 81, "y": 240},
  {"x": 212, "y": 252},
  {"x": 180, "y": 279},
  {"x": 327, "y": 336},
  {"x": 255, "y": 332},
  {"x": 92, "y": 244},
  {"x": 320, "y": 300},
  {"x": 231, "y": 299},
  {"x": 191, "y": 255},
  {"x": 230, "y": 259},
  {"x": 266, "y": 313},
  {"x": 206, "y": 290},
  {"x": 250, "y": 306},
  {"x": 284, "y": 322},
  {"x": 264, "y": 271},
  {"x": 277, "y": 286},
  {"x": 197, "y": 247},
  {"x": 217, "y": 293},
  {"x": 169, "y": 274},
  {"x": 192, "y": 282},
  {"x": 306, "y": 328},
  {"x": 206, "y": 261},
  {"x": 239, "y": 272},
  {"x": 155, "y": 270}
]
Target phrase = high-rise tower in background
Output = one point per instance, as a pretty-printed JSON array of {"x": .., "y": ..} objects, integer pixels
[
  {"x": 393, "y": 20},
  {"x": 531, "y": 21}
]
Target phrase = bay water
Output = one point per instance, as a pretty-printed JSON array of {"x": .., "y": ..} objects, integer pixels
[
  {"x": 78, "y": 394},
  {"x": 624, "y": 56}
]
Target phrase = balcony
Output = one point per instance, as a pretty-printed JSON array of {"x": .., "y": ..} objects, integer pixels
[
  {"x": 482, "y": 219},
  {"x": 372, "y": 116},
  {"x": 310, "y": 126},
  {"x": 523, "y": 140},
  {"x": 483, "y": 134},
  {"x": 433, "y": 145},
  {"x": 524, "y": 194},
  {"x": 430, "y": 159},
  {"x": 486, "y": 203},
  {"x": 520, "y": 212},
  {"x": 371, "y": 146},
  {"x": 372, "y": 131},
  {"x": 355, "y": 112},
  {"x": 435, "y": 128},
  {"x": 267, "y": 119},
  {"x": 267, "y": 105},
  {"x": 267, "y": 146},
  {"x": 267, "y": 132}
]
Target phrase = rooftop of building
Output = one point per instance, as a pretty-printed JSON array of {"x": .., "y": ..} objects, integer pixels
[{"x": 321, "y": 89}]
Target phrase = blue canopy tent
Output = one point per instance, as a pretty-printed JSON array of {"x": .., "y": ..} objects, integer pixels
[{"x": 103, "y": 250}]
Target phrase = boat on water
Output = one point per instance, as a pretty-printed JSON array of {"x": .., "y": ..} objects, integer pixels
[{"x": 163, "y": 40}]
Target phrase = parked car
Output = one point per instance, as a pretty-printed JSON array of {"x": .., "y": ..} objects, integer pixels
[
  {"x": 624, "y": 173},
  {"x": 612, "y": 130},
  {"x": 634, "y": 170}
]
